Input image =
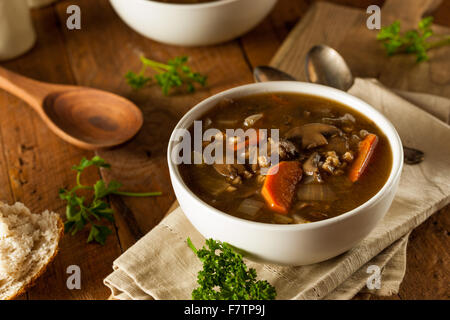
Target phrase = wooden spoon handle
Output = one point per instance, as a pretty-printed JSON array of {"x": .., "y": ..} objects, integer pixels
[{"x": 31, "y": 91}]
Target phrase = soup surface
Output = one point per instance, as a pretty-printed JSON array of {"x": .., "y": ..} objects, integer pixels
[{"x": 331, "y": 159}]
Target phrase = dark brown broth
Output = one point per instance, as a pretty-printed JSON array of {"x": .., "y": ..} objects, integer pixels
[{"x": 284, "y": 114}]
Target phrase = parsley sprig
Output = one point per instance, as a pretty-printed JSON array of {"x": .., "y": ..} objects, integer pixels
[
  {"x": 226, "y": 277},
  {"x": 175, "y": 73},
  {"x": 412, "y": 41},
  {"x": 79, "y": 212}
]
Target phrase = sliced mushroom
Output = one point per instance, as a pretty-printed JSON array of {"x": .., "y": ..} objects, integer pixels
[
  {"x": 311, "y": 167},
  {"x": 338, "y": 143},
  {"x": 230, "y": 171},
  {"x": 312, "y": 134},
  {"x": 285, "y": 148},
  {"x": 345, "y": 119}
]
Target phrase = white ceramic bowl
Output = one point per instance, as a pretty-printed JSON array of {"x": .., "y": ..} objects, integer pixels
[
  {"x": 297, "y": 244},
  {"x": 192, "y": 24}
]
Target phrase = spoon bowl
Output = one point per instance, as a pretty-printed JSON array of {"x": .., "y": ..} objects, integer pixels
[
  {"x": 324, "y": 65},
  {"x": 85, "y": 117},
  {"x": 91, "y": 118}
]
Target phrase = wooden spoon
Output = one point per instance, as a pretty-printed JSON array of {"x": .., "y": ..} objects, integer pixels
[{"x": 87, "y": 118}]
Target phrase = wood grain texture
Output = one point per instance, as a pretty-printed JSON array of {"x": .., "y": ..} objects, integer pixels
[
  {"x": 38, "y": 164},
  {"x": 86, "y": 118},
  {"x": 141, "y": 163},
  {"x": 34, "y": 163}
]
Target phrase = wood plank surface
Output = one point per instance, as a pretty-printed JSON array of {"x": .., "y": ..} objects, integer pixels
[
  {"x": 38, "y": 165},
  {"x": 34, "y": 163},
  {"x": 141, "y": 164}
]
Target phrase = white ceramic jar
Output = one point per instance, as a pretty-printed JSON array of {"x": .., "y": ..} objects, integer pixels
[{"x": 17, "y": 34}]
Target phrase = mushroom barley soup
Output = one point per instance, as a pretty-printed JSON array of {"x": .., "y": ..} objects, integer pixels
[{"x": 332, "y": 159}]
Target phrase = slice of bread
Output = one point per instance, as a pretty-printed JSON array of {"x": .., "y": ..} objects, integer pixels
[{"x": 28, "y": 243}]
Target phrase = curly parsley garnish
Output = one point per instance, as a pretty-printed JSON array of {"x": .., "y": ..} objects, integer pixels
[
  {"x": 226, "y": 277},
  {"x": 79, "y": 212},
  {"x": 173, "y": 74},
  {"x": 412, "y": 41}
]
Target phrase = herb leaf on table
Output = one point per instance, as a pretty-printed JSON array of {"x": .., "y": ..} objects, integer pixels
[
  {"x": 225, "y": 276},
  {"x": 412, "y": 41},
  {"x": 175, "y": 73},
  {"x": 80, "y": 212}
]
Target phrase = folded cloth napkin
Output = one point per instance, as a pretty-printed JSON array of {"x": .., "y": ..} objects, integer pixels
[{"x": 161, "y": 266}]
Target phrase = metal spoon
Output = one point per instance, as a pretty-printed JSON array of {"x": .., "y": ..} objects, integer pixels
[
  {"x": 88, "y": 118},
  {"x": 266, "y": 73},
  {"x": 325, "y": 66}
]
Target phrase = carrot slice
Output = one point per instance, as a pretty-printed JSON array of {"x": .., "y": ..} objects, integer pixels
[
  {"x": 279, "y": 186},
  {"x": 366, "y": 149}
]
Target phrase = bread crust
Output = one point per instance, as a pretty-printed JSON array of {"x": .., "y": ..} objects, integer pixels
[{"x": 32, "y": 281}]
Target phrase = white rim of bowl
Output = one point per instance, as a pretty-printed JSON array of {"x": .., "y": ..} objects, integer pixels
[
  {"x": 396, "y": 169},
  {"x": 189, "y": 5}
]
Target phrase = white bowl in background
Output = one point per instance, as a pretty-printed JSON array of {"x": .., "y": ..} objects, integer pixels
[
  {"x": 192, "y": 24},
  {"x": 298, "y": 244}
]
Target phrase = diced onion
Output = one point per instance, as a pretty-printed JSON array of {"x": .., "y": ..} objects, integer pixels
[
  {"x": 315, "y": 192},
  {"x": 250, "y": 207},
  {"x": 211, "y": 184},
  {"x": 278, "y": 218},
  {"x": 299, "y": 219}
]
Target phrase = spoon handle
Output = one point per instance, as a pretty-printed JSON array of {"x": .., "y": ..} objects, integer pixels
[{"x": 31, "y": 91}]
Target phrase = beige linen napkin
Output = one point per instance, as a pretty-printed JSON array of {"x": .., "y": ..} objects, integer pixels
[{"x": 161, "y": 266}]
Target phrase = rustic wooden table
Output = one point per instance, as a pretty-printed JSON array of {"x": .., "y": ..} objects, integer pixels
[{"x": 34, "y": 163}]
